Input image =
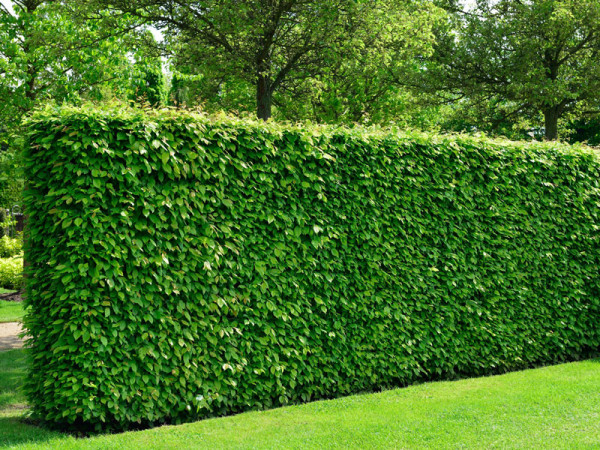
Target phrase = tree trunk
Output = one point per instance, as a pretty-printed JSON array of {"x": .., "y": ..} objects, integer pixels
[
  {"x": 551, "y": 123},
  {"x": 263, "y": 97}
]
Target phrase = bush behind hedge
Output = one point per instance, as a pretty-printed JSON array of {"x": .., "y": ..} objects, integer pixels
[
  {"x": 11, "y": 272},
  {"x": 10, "y": 246},
  {"x": 183, "y": 267}
]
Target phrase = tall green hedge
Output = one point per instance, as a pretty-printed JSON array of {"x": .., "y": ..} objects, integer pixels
[{"x": 183, "y": 267}]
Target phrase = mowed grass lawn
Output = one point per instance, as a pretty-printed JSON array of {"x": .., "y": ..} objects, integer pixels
[
  {"x": 10, "y": 311},
  {"x": 551, "y": 407}
]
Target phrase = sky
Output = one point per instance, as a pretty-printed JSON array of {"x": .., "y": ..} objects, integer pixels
[{"x": 7, "y": 3}]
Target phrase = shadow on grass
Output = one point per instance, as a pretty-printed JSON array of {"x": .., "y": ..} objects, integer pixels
[
  {"x": 15, "y": 431},
  {"x": 13, "y": 428}
]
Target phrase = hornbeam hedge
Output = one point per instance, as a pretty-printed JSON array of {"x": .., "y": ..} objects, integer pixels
[{"x": 182, "y": 267}]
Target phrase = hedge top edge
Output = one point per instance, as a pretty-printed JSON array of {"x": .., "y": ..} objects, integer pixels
[{"x": 126, "y": 115}]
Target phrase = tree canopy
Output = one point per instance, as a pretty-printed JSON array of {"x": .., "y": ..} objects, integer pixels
[
  {"x": 54, "y": 52},
  {"x": 46, "y": 54},
  {"x": 522, "y": 68},
  {"x": 278, "y": 46},
  {"x": 519, "y": 58}
]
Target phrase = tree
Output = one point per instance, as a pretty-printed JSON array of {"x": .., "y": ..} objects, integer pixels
[
  {"x": 585, "y": 130},
  {"x": 47, "y": 54},
  {"x": 148, "y": 84},
  {"x": 519, "y": 58},
  {"x": 271, "y": 44},
  {"x": 11, "y": 176},
  {"x": 358, "y": 83}
]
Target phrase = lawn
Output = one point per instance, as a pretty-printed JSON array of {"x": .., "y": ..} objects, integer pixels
[
  {"x": 551, "y": 407},
  {"x": 10, "y": 311}
]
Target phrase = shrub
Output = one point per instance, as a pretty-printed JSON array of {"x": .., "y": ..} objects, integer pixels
[
  {"x": 11, "y": 272},
  {"x": 183, "y": 267},
  {"x": 11, "y": 176},
  {"x": 10, "y": 246},
  {"x": 6, "y": 222}
]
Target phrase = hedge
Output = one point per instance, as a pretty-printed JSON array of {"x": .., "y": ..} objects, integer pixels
[{"x": 182, "y": 267}]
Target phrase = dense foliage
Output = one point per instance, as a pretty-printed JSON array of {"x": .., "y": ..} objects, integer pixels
[
  {"x": 10, "y": 246},
  {"x": 518, "y": 64},
  {"x": 11, "y": 177},
  {"x": 11, "y": 272},
  {"x": 48, "y": 53},
  {"x": 326, "y": 59},
  {"x": 182, "y": 267},
  {"x": 504, "y": 67}
]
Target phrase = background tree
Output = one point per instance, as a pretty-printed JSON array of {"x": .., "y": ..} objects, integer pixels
[
  {"x": 49, "y": 52},
  {"x": 46, "y": 54},
  {"x": 509, "y": 59},
  {"x": 271, "y": 45},
  {"x": 587, "y": 130},
  {"x": 148, "y": 81},
  {"x": 358, "y": 83},
  {"x": 11, "y": 177}
]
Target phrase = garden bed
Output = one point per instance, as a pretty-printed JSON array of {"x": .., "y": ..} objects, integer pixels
[{"x": 11, "y": 296}]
